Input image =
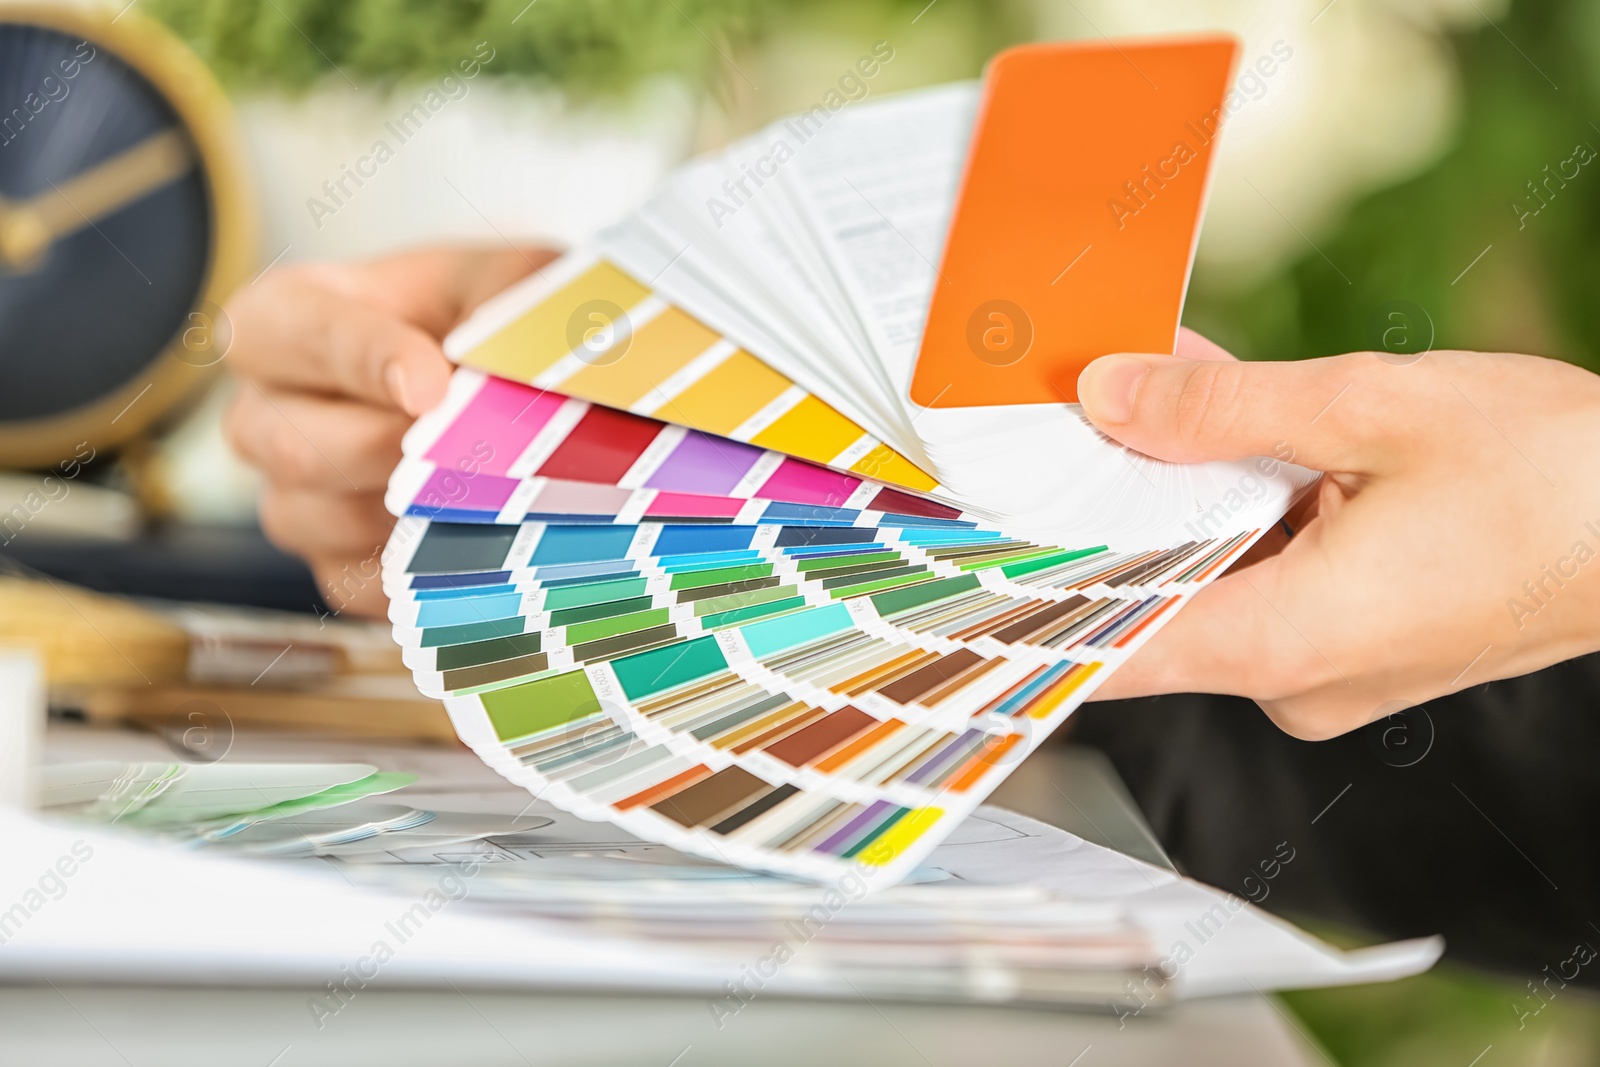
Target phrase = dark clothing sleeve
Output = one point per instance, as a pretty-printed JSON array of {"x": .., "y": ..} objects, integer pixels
[{"x": 1475, "y": 816}]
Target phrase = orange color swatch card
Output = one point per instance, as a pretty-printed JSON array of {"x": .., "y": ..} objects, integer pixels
[{"x": 1077, "y": 219}]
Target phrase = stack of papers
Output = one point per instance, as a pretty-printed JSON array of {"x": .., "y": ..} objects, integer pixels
[
  {"x": 679, "y": 552},
  {"x": 1006, "y": 909},
  {"x": 521, "y": 862}
]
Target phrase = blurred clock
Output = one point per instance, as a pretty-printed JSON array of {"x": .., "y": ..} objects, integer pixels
[{"x": 123, "y": 224}]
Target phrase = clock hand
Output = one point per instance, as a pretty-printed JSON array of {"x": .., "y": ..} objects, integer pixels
[
  {"x": 22, "y": 236},
  {"x": 29, "y": 227}
]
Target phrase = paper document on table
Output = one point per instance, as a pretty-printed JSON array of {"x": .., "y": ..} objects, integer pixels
[{"x": 542, "y": 907}]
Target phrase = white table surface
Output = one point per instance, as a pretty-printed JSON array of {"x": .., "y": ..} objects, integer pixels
[{"x": 123, "y": 1026}]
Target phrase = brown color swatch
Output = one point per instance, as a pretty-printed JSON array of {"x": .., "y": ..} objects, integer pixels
[
  {"x": 821, "y": 737},
  {"x": 908, "y": 689},
  {"x": 705, "y": 801},
  {"x": 1037, "y": 621}
]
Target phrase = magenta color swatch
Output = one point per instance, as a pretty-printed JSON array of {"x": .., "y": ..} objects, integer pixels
[
  {"x": 495, "y": 426},
  {"x": 690, "y": 506},
  {"x": 797, "y": 482},
  {"x": 450, "y": 488}
]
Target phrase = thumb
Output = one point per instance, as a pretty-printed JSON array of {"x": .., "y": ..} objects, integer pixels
[
  {"x": 1321, "y": 411},
  {"x": 1192, "y": 345}
]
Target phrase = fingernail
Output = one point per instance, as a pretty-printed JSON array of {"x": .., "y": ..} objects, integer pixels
[
  {"x": 395, "y": 378},
  {"x": 1108, "y": 386}
]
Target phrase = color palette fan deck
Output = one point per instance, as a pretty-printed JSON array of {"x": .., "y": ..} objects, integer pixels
[{"x": 678, "y": 551}]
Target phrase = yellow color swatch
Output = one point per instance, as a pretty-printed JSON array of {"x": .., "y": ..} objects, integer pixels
[
  {"x": 721, "y": 401},
  {"x": 526, "y": 347},
  {"x": 811, "y": 430},
  {"x": 899, "y": 837},
  {"x": 1054, "y": 698},
  {"x": 884, "y": 464},
  {"x": 656, "y": 351},
  {"x": 736, "y": 389}
]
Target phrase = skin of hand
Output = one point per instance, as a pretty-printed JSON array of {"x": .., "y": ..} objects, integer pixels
[
  {"x": 1453, "y": 539},
  {"x": 334, "y": 362}
]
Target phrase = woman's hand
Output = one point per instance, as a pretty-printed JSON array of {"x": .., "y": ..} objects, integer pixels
[
  {"x": 335, "y": 361},
  {"x": 1454, "y": 539}
]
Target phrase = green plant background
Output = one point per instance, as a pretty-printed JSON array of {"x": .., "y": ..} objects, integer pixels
[
  {"x": 591, "y": 46},
  {"x": 1531, "y": 86},
  {"x": 1531, "y": 92},
  {"x": 1526, "y": 105}
]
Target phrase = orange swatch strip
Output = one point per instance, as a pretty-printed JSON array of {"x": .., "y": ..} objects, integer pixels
[{"x": 1077, "y": 218}]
